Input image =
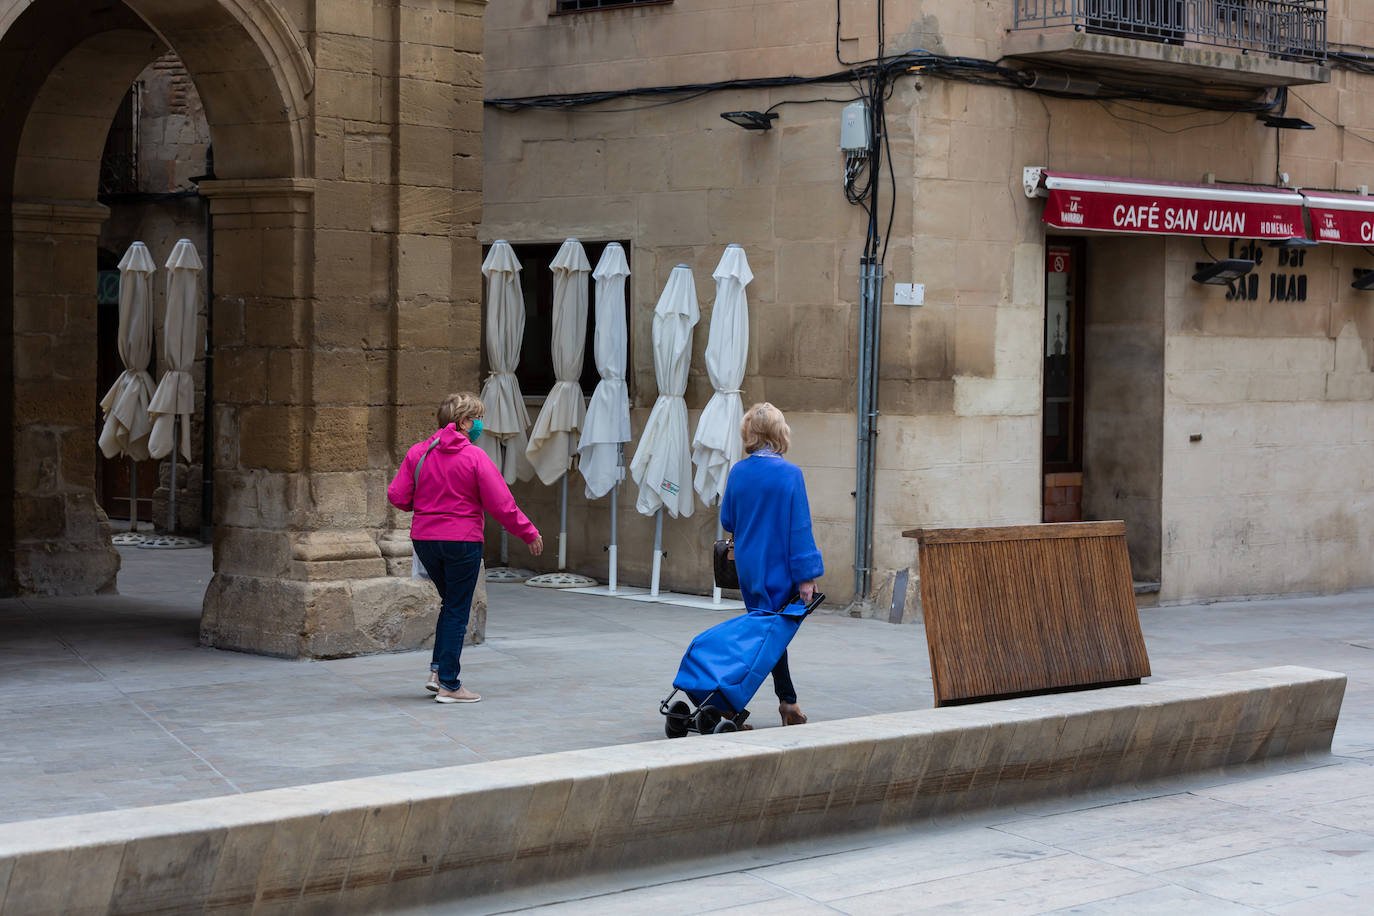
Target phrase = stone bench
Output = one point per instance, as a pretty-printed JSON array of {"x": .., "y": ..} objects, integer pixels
[{"x": 384, "y": 842}]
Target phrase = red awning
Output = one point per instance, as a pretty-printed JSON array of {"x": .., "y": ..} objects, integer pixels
[
  {"x": 1341, "y": 219},
  {"x": 1097, "y": 204}
]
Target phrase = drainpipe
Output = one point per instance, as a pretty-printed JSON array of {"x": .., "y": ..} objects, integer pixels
[
  {"x": 870, "y": 325},
  {"x": 207, "y": 459}
]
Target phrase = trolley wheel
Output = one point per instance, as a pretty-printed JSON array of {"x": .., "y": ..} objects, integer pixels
[
  {"x": 724, "y": 726},
  {"x": 707, "y": 720},
  {"x": 675, "y": 725}
]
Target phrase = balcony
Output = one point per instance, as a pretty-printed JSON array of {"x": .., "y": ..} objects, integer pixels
[{"x": 1235, "y": 44}]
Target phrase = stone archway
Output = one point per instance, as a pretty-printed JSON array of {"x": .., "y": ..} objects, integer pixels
[{"x": 337, "y": 299}]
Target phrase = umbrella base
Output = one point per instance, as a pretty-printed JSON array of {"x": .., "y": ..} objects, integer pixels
[
  {"x": 561, "y": 580},
  {"x": 509, "y": 574},
  {"x": 168, "y": 542},
  {"x": 127, "y": 539}
]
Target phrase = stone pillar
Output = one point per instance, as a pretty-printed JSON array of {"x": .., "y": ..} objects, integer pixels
[
  {"x": 346, "y": 307},
  {"x": 61, "y": 535},
  {"x": 298, "y": 569}
]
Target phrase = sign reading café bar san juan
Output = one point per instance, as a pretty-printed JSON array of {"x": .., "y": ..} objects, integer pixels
[{"x": 1096, "y": 204}]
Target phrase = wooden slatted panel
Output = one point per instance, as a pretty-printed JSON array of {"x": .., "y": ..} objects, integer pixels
[{"x": 1028, "y": 609}]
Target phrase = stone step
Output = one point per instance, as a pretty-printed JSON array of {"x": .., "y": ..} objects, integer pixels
[{"x": 385, "y": 842}]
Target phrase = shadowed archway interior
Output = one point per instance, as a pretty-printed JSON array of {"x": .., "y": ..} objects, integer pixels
[{"x": 66, "y": 65}]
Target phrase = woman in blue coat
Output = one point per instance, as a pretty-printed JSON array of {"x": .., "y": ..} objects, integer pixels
[{"x": 765, "y": 508}]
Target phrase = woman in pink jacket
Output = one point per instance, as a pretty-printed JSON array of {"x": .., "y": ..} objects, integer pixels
[{"x": 456, "y": 482}]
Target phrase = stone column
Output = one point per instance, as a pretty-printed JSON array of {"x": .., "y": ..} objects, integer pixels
[
  {"x": 61, "y": 535},
  {"x": 298, "y": 570}
]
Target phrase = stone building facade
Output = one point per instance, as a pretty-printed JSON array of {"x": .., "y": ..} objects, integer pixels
[
  {"x": 1233, "y": 428},
  {"x": 343, "y": 207}
]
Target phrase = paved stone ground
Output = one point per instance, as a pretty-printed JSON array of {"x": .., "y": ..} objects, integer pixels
[{"x": 108, "y": 702}]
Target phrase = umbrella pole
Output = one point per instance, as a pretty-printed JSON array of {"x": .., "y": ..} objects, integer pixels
[
  {"x": 720, "y": 533},
  {"x": 611, "y": 549},
  {"x": 563, "y": 527},
  {"x": 172, "y": 497},
  {"x": 658, "y": 553},
  {"x": 133, "y": 496},
  {"x": 505, "y": 537}
]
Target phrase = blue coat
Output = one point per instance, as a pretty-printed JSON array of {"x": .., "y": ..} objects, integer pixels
[{"x": 765, "y": 507}]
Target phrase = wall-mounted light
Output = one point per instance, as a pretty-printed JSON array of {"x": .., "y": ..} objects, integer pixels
[
  {"x": 751, "y": 120},
  {"x": 1296, "y": 241},
  {"x": 1283, "y": 123},
  {"x": 1223, "y": 272},
  {"x": 1364, "y": 279}
]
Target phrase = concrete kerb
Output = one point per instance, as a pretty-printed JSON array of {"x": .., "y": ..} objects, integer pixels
[{"x": 364, "y": 844}]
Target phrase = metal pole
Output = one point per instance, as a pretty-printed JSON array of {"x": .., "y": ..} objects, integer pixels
[
  {"x": 133, "y": 496},
  {"x": 863, "y": 443},
  {"x": 870, "y": 324},
  {"x": 207, "y": 460},
  {"x": 615, "y": 491},
  {"x": 172, "y": 493},
  {"x": 563, "y": 527},
  {"x": 505, "y": 537},
  {"x": 720, "y": 533},
  {"x": 658, "y": 553}
]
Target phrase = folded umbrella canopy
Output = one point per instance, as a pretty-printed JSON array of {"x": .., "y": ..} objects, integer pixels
[
  {"x": 607, "y": 424},
  {"x": 176, "y": 392},
  {"x": 662, "y": 465},
  {"x": 507, "y": 420},
  {"x": 717, "y": 445},
  {"x": 550, "y": 446},
  {"x": 127, "y": 424}
]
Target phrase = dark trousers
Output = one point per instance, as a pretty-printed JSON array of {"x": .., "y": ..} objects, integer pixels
[
  {"x": 453, "y": 568},
  {"x": 782, "y": 681}
]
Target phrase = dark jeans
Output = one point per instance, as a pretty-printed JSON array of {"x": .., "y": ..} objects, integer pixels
[
  {"x": 453, "y": 567},
  {"x": 782, "y": 681}
]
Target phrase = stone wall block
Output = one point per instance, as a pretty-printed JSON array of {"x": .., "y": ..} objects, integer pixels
[
  {"x": 429, "y": 104},
  {"x": 425, "y": 266},
  {"x": 272, "y": 438},
  {"x": 338, "y": 439},
  {"x": 349, "y": 256},
  {"x": 54, "y": 402},
  {"x": 426, "y": 155}
]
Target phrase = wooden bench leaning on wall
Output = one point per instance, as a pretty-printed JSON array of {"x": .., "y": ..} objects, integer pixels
[{"x": 1028, "y": 609}]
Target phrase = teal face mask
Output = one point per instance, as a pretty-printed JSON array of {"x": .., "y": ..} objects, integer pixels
[{"x": 476, "y": 430}]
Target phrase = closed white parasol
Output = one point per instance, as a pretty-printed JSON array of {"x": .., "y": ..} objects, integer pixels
[
  {"x": 607, "y": 426},
  {"x": 662, "y": 464},
  {"x": 176, "y": 393},
  {"x": 127, "y": 424},
  {"x": 506, "y": 422},
  {"x": 550, "y": 447},
  {"x": 717, "y": 444},
  {"x": 551, "y": 440}
]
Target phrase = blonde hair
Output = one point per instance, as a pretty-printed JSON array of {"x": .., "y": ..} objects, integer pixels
[
  {"x": 763, "y": 426},
  {"x": 460, "y": 406}
]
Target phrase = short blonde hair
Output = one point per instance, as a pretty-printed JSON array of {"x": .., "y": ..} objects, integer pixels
[
  {"x": 460, "y": 406},
  {"x": 763, "y": 426}
]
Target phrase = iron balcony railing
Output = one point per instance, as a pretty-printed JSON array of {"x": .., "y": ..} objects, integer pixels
[{"x": 1283, "y": 28}]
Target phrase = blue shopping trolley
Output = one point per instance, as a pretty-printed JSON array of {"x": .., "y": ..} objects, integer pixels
[{"x": 724, "y": 667}]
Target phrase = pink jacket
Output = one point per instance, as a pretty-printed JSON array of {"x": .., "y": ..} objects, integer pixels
[{"x": 457, "y": 483}]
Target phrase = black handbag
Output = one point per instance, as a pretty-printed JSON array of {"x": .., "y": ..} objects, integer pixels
[{"x": 723, "y": 564}]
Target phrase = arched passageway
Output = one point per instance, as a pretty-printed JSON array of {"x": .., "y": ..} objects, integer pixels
[{"x": 323, "y": 269}]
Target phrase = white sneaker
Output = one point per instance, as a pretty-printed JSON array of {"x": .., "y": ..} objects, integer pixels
[{"x": 461, "y": 695}]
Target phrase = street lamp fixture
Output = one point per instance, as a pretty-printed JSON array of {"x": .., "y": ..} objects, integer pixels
[
  {"x": 1223, "y": 272},
  {"x": 751, "y": 120}
]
